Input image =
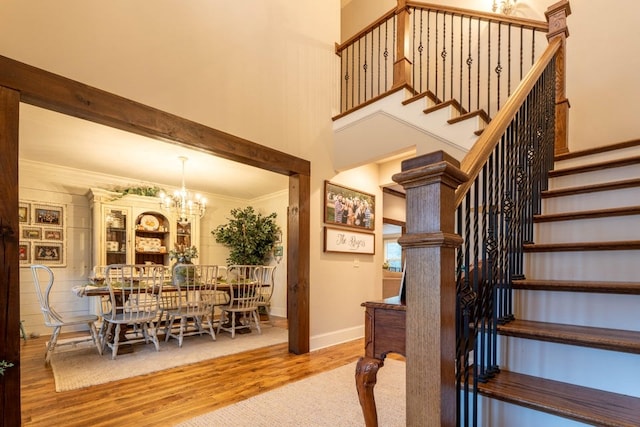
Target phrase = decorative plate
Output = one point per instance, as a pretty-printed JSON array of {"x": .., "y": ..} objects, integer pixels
[{"x": 149, "y": 222}]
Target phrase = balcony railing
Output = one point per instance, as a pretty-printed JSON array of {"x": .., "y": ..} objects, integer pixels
[{"x": 448, "y": 53}]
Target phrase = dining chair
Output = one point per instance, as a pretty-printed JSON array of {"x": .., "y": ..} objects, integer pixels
[
  {"x": 266, "y": 290},
  {"x": 134, "y": 301},
  {"x": 44, "y": 280},
  {"x": 243, "y": 282},
  {"x": 195, "y": 290}
]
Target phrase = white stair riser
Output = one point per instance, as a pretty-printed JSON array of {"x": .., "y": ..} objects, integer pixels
[
  {"x": 615, "y": 266},
  {"x": 599, "y": 158},
  {"x": 571, "y": 364},
  {"x": 595, "y": 177},
  {"x": 496, "y": 413},
  {"x": 589, "y": 230},
  {"x": 590, "y": 201},
  {"x": 596, "y": 310}
]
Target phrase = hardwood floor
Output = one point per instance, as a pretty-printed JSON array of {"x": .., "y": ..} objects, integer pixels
[{"x": 171, "y": 396}]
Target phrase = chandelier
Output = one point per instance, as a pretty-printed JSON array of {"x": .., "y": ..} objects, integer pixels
[
  {"x": 181, "y": 204},
  {"x": 506, "y": 6}
]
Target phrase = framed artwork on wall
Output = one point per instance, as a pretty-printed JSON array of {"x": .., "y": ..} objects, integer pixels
[
  {"x": 48, "y": 253},
  {"x": 23, "y": 212},
  {"x": 32, "y": 233},
  {"x": 48, "y": 215},
  {"x": 24, "y": 251},
  {"x": 52, "y": 234},
  {"x": 349, "y": 241},
  {"x": 42, "y": 233},
  {"x": 348, "y": 207}
]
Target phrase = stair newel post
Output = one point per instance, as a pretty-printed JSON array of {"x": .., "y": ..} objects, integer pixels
[
  {"x": 556, "y": 16},
  {"x": 430, "y": 244},
  {"x": 402, "y": 65}
]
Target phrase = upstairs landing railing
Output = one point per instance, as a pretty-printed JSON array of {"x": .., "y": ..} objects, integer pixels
[
  {"x": 447, "y": 53},
  {"x": 466, "y": 226}
]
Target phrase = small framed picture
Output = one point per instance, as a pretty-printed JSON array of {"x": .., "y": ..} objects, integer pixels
[
  {"x": 47, "y": 215},
  {"x": 34, "y": 233},
  {"x": 48, "y": 253},
  {"x": 24, "y": 252},
  {"x": 23, "y": 212},
  {"x": 53, "y": 234}
]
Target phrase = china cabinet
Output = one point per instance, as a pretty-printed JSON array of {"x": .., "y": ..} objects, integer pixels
[{"x": 133, "y": 229}]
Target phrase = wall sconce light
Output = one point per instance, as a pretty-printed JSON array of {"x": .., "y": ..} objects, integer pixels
[{"x": 506, "y": 6}]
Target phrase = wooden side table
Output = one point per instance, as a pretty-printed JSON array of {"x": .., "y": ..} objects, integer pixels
[{"x": 385, "y": 323}]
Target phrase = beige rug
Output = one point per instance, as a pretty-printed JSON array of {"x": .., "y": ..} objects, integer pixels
[
  {"x": 327, "y": 399},
  {"x": 80, "y": 367}
]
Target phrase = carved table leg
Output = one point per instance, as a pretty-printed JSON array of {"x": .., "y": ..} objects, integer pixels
[{"x": 366, "y": 377}]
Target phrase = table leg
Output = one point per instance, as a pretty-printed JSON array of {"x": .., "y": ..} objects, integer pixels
[{"x": 366, "y": 377}]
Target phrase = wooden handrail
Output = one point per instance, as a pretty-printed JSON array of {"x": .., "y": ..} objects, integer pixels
[
  {"x": 475, "y": 159},
  {"x": 486, "y": 16}
]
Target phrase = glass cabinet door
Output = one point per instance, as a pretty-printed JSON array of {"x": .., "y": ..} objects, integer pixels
[{"x": 115, "y": 245}]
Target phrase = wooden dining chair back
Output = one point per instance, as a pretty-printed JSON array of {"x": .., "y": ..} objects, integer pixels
[
  {"x": 134, "y": 301},
  {"x": 265, "y": 289},
  {"x": 44, "y": 280},
  {"x": 243, "y": 281},
  {"x": 195, "y": 289}
]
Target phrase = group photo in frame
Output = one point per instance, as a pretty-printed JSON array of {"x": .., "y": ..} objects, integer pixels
[
  {"x": 48, "y": 215},
  {"x": 349, "y": 241},
  {"x": 348, "y": 207}
]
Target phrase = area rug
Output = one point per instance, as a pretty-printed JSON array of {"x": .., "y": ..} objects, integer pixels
[
  {"x": 81, "y": 367},
  {"x": 326, "y": 399}
]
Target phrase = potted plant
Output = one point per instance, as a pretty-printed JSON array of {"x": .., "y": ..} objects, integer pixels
[
  {"x": 250, "y": 236},
  {"x": 183, "y": 254}
]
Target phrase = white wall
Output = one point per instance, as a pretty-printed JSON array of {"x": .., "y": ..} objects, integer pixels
[{"x": 602, "y": 61}]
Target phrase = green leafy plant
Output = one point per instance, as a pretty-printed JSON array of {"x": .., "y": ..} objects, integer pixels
[
  {"x": 250, "y": 236},
  {"x": 183, "y": 254},
  {"x": 141, "y": 190},
  {"x": 4, "y": 365}
]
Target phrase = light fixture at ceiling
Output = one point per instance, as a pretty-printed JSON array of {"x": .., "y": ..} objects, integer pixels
[
  {"x": 181, "y": 204},
  {"x": 506, "y": 6}
]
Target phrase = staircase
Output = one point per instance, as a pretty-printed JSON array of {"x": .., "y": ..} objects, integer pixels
[{"x": 573, "y": 352}]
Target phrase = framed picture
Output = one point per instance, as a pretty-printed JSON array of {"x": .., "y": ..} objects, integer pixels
[
  {"x": 24, "y": 252},
  {"x": 47, "y": 215},
  {"x": 23, "y": 212},
  {"x": 48, "y": 253},
  {"x": 52, "y": 234},
  {"x": 348, "y": 241},
  {"x": 32, "y": 233},
  {"x": 348, "y": 207}
]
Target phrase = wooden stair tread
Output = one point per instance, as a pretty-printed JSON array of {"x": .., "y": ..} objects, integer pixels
[
  {"x": 585, "y": 336},
  {"x": 615, "y": 185},
  {"x": 582, "y": 246},
  {"x": 630, "y": 288},
  {"x": 626, "y": 161},
  {"x": 582, "y": 404},
  {"x": 450, "y": 103},
  {"x": 597, "y": 213},
  {"x": 478, "y": 113}
]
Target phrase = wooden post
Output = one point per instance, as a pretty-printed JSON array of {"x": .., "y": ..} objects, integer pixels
[
  {"x": 9, "y": 279},
  {"x": 430, "y": 243},
  {"x": 402, "y": 66},
  {"x": 557, "y": 18}
]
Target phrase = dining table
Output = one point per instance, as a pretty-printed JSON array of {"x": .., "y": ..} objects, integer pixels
[{"x": 101, "y": 290}]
